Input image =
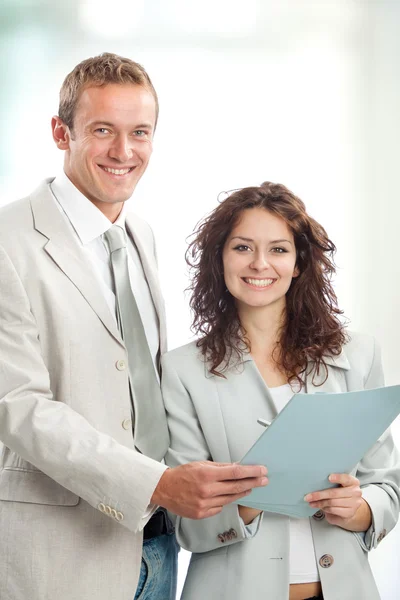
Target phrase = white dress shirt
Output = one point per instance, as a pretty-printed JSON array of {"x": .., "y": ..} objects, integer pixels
[{"x": 89, "y": 225}]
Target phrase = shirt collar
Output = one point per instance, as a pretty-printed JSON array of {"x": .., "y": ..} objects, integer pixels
[{"x": 87, "y": 220}]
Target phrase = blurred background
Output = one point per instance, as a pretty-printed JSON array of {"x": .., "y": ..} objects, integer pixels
[{"x": 304, "y": 93}]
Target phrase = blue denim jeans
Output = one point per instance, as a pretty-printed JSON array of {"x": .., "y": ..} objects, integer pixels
[{"x": 159, "y": 569}]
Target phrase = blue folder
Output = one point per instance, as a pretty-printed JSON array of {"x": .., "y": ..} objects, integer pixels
[{"x": 313, "y": 436}]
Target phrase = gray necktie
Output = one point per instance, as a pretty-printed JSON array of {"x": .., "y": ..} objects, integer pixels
[{"x": 150, "y": 428}]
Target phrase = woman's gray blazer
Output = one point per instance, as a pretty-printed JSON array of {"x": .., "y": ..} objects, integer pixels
[{"x": 212, "y": 418}]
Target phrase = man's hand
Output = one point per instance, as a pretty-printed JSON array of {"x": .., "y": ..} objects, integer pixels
[
  {"x": 201, "y": 489},
  {"x": 343, "y": 506}
]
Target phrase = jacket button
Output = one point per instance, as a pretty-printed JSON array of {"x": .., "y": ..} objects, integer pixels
[
  {"x": 120, "y": 516},
  {"x": 127, "y": 424},
  {"x": 221, "y": 538},
  {"x": 326, "y": 561},
  {"x": 114, "y": 513},
  {"x": 121, "y": 365},
  {"x": 319, "y": 515},
  {"x": 381, "y": 535},
  {"x": 101, "y": 507},
  {"x": 108, "y": 510},
  {"x": 232, "y": 533}
]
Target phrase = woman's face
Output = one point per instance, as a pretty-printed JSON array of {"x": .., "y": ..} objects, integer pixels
[{"x": 259, "y": 259}]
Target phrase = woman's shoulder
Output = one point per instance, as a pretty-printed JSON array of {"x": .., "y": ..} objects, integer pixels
[
  {"x": 359, "y": 345},
  {"x": 183, "y": 356},
  {"x": 363, "y": 355}
]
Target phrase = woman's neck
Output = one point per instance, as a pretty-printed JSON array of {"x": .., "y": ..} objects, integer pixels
[
  {"x": 263, "y": 330},
  {"x": 262, "y": 326}
]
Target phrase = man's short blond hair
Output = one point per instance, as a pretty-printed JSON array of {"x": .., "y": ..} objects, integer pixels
[{"x": 98, "y": 71}]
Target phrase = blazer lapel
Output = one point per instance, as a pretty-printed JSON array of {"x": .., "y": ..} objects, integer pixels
[
  {"x": 67, "y": 254},
  {"x": 335, "y": 382},
  {"x": 150, "y": 271}
]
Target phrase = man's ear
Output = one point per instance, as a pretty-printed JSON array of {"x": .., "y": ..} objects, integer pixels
[{"x": 61, "y": 133}]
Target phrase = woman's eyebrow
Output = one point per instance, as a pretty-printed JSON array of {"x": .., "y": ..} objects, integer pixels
[{"x": 240, "y": 237}]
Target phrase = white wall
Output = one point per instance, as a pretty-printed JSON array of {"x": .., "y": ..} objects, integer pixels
[{"x": 302, "y": 93}]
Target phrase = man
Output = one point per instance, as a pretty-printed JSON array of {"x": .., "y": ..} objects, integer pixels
[{"x": 82, "y": 425}]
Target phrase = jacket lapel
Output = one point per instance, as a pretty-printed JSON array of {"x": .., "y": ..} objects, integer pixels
[
  {"x": 335, "y": 382},
  {"x": 68, "y": 255},
  {"x": 150, "y": 272}
]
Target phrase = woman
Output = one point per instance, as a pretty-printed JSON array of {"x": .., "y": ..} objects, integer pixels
[{"x": 269, "y": 326}]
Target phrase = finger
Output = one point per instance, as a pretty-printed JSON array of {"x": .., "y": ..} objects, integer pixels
[
  {"x": 337, "y": 502},
  {"x": 344, "y": 479},
  {"x": 235, "y": 471},
  {"x": 340, "y": 492},
  {"x": 343, "y": 513},
  {"x": 239, "y": 486}
]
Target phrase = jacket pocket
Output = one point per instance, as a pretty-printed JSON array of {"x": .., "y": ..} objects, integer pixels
[{"x": 34, "y": 487}]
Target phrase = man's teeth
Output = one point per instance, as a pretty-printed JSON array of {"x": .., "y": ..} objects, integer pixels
[
  {"x": 117, "y": 171},
  {"x": 259, "y": 282}
]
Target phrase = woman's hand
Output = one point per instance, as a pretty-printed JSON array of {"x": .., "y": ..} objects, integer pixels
[
  {"x": 343, "y": 506},
  {"x": 248, "y": 514}
]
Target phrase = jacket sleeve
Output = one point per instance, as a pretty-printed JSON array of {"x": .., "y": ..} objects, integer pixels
[
  {"x": 51, "y": 436},
  {"x": 379, "y": 473},
  {"x": 188, "y": 443}
]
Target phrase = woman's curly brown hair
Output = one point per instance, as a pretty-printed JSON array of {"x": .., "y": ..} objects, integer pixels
[{"x": 311, "y": 329}]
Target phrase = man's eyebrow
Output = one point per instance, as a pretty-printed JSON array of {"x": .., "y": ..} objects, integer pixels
[
  {"x": 108, "y": 124},
  {"x": 240, "y": 237}
]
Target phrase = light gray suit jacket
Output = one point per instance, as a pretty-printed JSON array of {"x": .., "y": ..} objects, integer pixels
[
  {"x": 73, "y": 489},
  {"x": 216, "y": 419}
]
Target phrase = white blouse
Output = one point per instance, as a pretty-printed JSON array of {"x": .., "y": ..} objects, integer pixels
[{"x": 303, "y": 564}]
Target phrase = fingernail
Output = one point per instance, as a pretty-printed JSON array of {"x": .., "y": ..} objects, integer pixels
[
  {"x": 308, "y": 497},
  {"x": 332, "y": 478},
  {"x": 264, "y": 470},
  {"x": 264, "y": 481}
]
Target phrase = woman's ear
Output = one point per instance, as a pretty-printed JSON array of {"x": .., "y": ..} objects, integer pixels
[{"x": 296, "y": 271}]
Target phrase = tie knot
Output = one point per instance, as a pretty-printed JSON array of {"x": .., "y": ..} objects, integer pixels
[{"x": 116, "y": 238}]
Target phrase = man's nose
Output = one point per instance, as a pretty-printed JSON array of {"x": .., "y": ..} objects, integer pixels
[{"x": 121, "y": 149}]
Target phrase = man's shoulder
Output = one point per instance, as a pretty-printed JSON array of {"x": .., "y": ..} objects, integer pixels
[
  {"x": 14, "y": 217},
  {"x": 17, "y": 217}
]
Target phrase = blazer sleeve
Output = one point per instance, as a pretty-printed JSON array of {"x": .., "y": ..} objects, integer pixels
[
  {"x": 50, "y": 435},
  {"x": 379, "y": 473},
  {"x": 188, "y": 443}
]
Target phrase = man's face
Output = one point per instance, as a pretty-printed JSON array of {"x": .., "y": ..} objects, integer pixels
[{"x": 110, "y": 145}]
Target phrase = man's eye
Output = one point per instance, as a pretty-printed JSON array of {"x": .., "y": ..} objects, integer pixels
[
  {"x": 140, "y": 133},
  {"x": 102, "y": 130}
]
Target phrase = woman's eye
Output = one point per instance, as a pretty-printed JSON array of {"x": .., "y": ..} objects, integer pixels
[
  {"x": 241, "y": 248},
  {"x": 279, "y": 250}
]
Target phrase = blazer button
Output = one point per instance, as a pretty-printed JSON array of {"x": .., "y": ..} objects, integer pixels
[
  {"x": 221, "y": 538},
  {"x": 127, "y": 424},
  {"x": 108, "y": 510},
  {"x": 101, "y": 507},
  {"x": 120, "y": 516},
  {"x": 326, "y": 561},
  {"x": 114, "y": 513},
  {"x": 381, "y": 535},
  {"x": 232, "y": 533},
  {"x": 121, "y": 365},
  {"x": 319, "y": 515}
]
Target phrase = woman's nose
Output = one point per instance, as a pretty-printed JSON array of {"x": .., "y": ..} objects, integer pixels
[{"x": 260, "y": 262}]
